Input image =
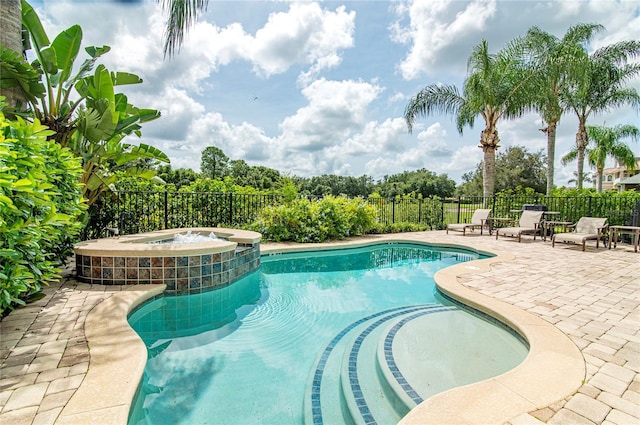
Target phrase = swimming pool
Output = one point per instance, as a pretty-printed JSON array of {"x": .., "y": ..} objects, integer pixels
[{"x": 316, "y": 337}]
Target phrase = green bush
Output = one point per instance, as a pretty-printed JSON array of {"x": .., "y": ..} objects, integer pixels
[
  {"x": 302, "y": 220},
  {"x": 40, "y": 202},
  {"x": 381, "y": 228}
]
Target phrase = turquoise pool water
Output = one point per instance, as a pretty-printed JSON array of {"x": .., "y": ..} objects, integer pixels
[{"x": 266, "y": 349}]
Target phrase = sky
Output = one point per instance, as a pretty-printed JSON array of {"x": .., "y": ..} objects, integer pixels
[{"x": 312, "y": 88}]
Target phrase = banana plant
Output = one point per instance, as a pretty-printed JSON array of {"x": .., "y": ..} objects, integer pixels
[{"x": 84, "y": 109}]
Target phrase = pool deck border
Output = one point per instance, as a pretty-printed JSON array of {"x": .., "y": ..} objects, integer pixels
[{"x": 117, "y": 355}]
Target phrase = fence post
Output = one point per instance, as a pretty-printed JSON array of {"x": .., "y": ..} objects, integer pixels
[
  {"x": 393, "y": 210},
  {"x": 589, "y": 210},
  {"x": 420, "y": 210},
  {"x": 166, "y": 210},
  {"x": 459, "y": 204},
  {"x": 230, "y": 208}
]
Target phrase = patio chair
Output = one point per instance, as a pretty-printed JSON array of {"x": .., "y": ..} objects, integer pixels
[
  {"x": 479, "y": 219},
  {"x": 587, "y": 228},
  {"x": 529, "y": 224}
]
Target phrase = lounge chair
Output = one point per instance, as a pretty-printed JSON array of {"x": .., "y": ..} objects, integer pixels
[
  {"x": 587, "y": 228},
  {"x": 529, "y": 224},
  {"x": 479, "y": 219}
]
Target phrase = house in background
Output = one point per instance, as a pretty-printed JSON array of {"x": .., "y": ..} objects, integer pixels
[{"x": 620, "y": 179}]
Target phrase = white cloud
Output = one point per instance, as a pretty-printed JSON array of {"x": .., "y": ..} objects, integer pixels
[
  {"x": 305, "y": 35},
  {"x": 336, "y": 110},
  {"x": 434, "y": 27}
]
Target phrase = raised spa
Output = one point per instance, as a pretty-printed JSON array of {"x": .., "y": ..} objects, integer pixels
[{"x": 186, "y": 260}]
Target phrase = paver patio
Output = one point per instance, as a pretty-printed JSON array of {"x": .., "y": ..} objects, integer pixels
[{"x": 593, "y": 297}]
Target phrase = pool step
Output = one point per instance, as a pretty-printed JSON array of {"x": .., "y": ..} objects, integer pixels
[{"x": 355, "y": 380}]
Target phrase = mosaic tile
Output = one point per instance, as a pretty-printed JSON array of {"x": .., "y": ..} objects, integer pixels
[{"x": 194, "y": 271}]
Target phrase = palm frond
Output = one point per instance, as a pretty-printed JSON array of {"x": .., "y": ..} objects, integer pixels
[
  {"x": 183, "y": 14},
  {"x": 435, "y": 98}
]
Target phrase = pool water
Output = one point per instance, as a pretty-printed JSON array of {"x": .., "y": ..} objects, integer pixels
[{"x": 271, "y": 347}]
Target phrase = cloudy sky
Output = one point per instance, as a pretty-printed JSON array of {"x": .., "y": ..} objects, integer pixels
[{"x": 312, "y": 88}]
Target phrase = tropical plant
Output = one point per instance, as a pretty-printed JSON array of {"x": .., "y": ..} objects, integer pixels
[
  {"x": 497, "y": 86},
  {"x": 82, "y": 109},
  {"x": 605, "y": 142},
  {"x": 40, "y": 202},
  {"x": 598, "y": 84},
  {"x": 555, "y": 58}
]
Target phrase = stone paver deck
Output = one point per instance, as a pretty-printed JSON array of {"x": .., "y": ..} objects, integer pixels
[{"x": 593, "y": 297}]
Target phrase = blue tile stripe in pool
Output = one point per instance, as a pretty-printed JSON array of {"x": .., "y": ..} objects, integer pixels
[
  {"x": 391, "y": 362},
  {"x": 317, "y": 377},
  {"x": 353, "y": 360}
]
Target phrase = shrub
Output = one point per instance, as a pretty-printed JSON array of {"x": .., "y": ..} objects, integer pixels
[
  {"x": 302, "y": 220},
  {"x": 381, "y": 228},
  {"x": 40, "y": 202}
]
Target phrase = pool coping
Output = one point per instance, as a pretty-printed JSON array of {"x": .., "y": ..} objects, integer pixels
[{"x": 118, "y": 355}]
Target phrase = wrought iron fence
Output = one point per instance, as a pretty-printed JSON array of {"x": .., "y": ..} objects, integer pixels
[
  {"x": 135, "y": 212},
  {"x": 619, "y": 210}
]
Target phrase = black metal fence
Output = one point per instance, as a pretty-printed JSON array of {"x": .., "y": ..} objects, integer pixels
[
  {"x": 135, "y": 212},
  {"x": 619, "y": 210}
]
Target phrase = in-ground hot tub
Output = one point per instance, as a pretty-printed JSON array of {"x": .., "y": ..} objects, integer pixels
[{"x": 210, "y": 257}]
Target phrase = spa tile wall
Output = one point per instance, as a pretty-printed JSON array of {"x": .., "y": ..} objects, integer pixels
[{"x": 184, "y": 274}]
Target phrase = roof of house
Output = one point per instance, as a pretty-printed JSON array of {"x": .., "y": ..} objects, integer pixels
[{"x": 631, "y": 180}]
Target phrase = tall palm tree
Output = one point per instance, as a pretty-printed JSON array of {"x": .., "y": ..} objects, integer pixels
[
  {"x": 606, "y": 143},
  {"x": 555, "y": 57},
  {"x": 10, "y": 38},
  {"x": 496, "y": 87},
  {"x": 182, "y": 14},
  {"x": 598, "y": 84}
]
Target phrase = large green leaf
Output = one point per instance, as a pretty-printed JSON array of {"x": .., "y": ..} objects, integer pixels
[
  {"x": 49, "y": 61},
  {"x": 104, "y": 85},
  {"x": 88, "y": 64},
  {"x": 67, "y": 45},
  {"x": 123, "y": 78},
  {"x": 31, "y": 20}
]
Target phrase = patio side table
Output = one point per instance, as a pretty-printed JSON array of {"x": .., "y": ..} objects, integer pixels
[{"x": 614, "y": 231}]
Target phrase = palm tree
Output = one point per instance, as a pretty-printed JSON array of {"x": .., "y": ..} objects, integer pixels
[
  {"x": 606, "y": 143},
  {"x": 555, "y": 57},
  {"x": 598, "y": 84},
  {"x": 497, "y": 86},
  {"x": 586, "y": 177},
  {"x": 182, "y": 15},
  {"x": 10, "y": 38}
]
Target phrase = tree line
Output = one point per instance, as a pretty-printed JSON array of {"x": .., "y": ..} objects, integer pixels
[{"x": 517, "y": 169}]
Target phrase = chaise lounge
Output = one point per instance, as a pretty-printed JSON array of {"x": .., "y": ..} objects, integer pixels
[
  {"x": 529, "y": 224},
  {"x": 479, "y": 219},
  {"x": 587, "y": 228}
]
